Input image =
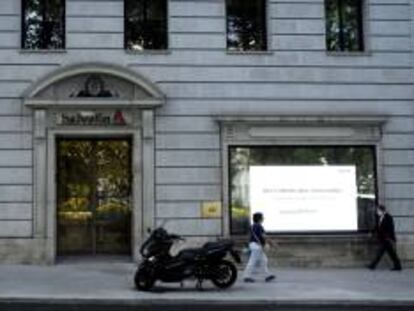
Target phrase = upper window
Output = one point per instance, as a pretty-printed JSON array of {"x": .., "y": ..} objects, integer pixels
[
  {"x": 43, "y": 24},
  {"x": 246, "y": 25},
  {"x": 344, "y": 26},
  {"x": 146, "y": 25}
]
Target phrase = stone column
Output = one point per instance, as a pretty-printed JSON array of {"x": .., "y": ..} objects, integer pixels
[
  {"x": 148, "y": 180},
  {"x": 40, "y": 174}
]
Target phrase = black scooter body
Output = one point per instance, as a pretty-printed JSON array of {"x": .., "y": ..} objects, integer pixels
[{"x": 205, "y": 263}]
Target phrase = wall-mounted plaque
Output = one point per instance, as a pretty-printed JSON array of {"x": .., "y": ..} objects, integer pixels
[{"x": 211, "y": 209}]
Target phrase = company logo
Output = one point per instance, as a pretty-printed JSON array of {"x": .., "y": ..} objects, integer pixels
[{"x": 118, "y": 118}]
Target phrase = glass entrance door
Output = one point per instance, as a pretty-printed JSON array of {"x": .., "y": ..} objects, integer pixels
[{"x": 94, "y": 196}]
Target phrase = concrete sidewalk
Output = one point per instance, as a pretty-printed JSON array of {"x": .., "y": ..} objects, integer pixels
[{"x": 114, "y": 282}]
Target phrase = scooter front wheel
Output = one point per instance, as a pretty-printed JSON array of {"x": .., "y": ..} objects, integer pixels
[
  {"x": 223, "y": 274},
  {"x": 144, "y": 281}
]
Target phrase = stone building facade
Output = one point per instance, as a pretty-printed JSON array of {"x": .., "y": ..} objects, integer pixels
[{"x": 184, "y": 108}]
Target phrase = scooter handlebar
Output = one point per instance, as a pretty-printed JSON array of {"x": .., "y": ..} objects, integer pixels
[{"x": 176, "y": 237}]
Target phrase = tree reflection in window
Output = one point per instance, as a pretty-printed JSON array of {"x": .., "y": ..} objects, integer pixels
[
  {"x": 43, "y": 24},
  {"x": 241, "y": 158},
  {"x": 146, "y": 25},
  {"x": 246, "y": 25},
  {"x": 94, "y": 196},
  {"x": 344, "y": 27}
]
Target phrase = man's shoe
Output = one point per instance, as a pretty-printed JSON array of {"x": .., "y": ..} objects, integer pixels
[
  {"x": 270, "y": 278},
  {"x": 248, "y": 280},
  {"x": 396, "y": 269},
  {"x": 370, "y": 267}
]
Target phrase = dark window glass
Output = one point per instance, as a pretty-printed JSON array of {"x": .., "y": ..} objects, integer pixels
[
  {"x": 43, "y": 24},
  {"x": 243, "y": 158},
  {"x": 246, "y": 25},
  {"x": 146, "y": 25},
  {"x": 344, "y": 29}
]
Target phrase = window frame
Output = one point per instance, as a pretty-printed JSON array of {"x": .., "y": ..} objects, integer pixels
[
  {"x": 146, "y": 50},
  {"x": 23, "y": 36},
  {"x": 362, "y": 29},
  {"x": 375, "y": 153},
  {"x": 266, "y": 35}
]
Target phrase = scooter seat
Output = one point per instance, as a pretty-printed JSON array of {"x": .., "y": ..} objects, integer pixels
[
  {"x": 218, "y": 244},
  {"x": 189, "y": 253}
]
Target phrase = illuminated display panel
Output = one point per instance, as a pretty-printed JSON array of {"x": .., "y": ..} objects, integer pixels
[
  {"x": 305, "y": 198},
  {"x": 345, "y": 177}
]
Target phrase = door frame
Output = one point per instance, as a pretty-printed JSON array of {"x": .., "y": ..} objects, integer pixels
[
  {"x": 136, "y": 166},
  {"x": 135, "y": 95}
]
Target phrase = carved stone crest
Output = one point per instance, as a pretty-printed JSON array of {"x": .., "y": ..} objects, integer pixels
[{"x": 94, "y": 86}]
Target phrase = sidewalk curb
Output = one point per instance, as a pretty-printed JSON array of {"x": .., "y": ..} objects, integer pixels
[{"x": 23, "y": 304}]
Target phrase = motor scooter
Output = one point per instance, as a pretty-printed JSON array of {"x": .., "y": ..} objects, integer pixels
[{"x": 205, "y": 263}]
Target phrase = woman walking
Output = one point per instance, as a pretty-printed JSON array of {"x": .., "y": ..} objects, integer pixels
[{"x": 258, "y": 259}]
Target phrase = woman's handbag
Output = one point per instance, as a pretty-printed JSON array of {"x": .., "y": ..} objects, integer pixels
[{"x": 247, "y": 249}]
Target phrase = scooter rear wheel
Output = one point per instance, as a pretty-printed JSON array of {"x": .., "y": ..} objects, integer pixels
[
  {"x": 143, "y": 280},
  {"x": 224, "y": 274}
]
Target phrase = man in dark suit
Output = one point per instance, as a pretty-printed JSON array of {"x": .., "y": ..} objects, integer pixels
[{"x": 386, "y": 238}]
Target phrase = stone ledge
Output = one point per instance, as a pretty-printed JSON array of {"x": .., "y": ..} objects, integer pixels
[{"x": 22, "y": 251}]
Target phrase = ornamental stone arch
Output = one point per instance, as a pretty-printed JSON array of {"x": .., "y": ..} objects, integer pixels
[
  {"x": 69, "y": 86},
  {"x": 88, "y": 99}
]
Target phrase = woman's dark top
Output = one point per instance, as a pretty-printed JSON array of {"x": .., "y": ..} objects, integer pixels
[{"x": 256, "y": 234}]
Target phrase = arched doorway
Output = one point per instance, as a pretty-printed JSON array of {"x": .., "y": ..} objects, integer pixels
[{"x": 93, "y": 159}]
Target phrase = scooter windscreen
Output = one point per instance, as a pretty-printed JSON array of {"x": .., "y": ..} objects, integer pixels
[{"x": 158, "y": 242}]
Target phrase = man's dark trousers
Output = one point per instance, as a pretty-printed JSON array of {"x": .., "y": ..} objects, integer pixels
[
  {"x": 387, "y": 241},
  {"x": 387, "y": 246}
]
